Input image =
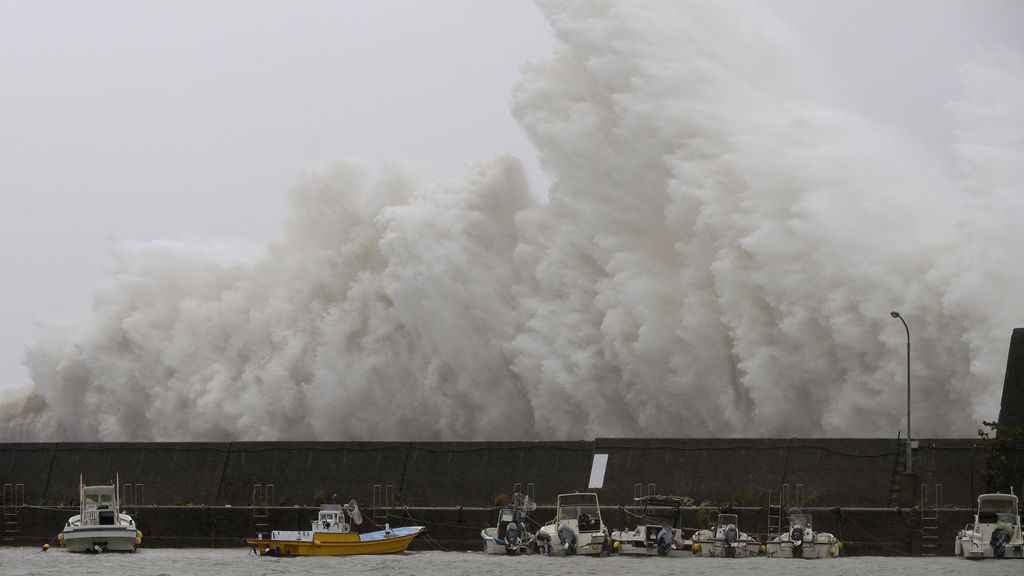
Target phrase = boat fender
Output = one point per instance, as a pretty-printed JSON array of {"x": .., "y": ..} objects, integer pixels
[
  {"x": 138, "y": 537},
  {"x": 695, "y": 549},
  {"x": 664, "y": 540},
  {"x": 568, "y": 539},
  {"x": 46, "y": 547}
]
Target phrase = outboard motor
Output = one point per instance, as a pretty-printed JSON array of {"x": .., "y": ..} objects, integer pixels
[
  {"x": 511, "y": 538},
  {"x": 731, "y": 535},
  {"x": 796, "y": 536},
  {"x": 1000, "y": 536},
  {"x": 568, "y": 538},
  {"x": 543, "y": 540},
  {"x": 664, "y": 541}
]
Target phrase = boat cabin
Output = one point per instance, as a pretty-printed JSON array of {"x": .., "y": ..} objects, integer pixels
[
  {"x": 99, "y": 506},
  {"x": 508, "y": 516},
  {"x": 800, "y": 520},
  {"x": 581, "y": 508},
  {"x": 998, "y": 508},
  {"x": 331, "y": 518},
  {"x": 662, "y": 512}
]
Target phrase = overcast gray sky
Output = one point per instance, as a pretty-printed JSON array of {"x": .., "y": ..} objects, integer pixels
[{"x": 133, "y": 121}]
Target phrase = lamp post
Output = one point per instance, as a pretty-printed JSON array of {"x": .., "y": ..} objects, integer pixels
[{"x": 910, "y": 458}]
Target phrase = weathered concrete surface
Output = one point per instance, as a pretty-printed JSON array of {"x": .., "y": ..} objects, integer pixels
[
  {"x": 475, "y": 473},
  {"x": 303, "y": 472},
  {"x": 831, "y": 472},
  {"x": 1011, "y": 418},
  {"x": 847, "y": 472}
]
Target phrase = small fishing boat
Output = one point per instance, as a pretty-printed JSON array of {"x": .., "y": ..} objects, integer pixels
[
  {"x": 996, "y": 532},
  {"x": 511, "y": 536},
  {"x": 576, "y": 529},
  {"x": 331, "y": 535},
  {"x": 660, "y": 530},
  {"x": 99, "y": 526},
  {"x": 724, "y": 540},
  {"x": 801, "y": 541}
]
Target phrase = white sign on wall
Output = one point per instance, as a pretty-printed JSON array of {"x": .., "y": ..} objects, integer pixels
[{"x": 597, "y": 471}]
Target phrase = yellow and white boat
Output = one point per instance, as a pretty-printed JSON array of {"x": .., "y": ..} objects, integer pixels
[{"x": 331, "y": 535}]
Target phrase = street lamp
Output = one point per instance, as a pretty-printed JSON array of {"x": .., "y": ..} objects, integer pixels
[{"x": 910, "y": 458}]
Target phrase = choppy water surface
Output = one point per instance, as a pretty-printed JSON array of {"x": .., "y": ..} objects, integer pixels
[{"x": 25, "y": 561}]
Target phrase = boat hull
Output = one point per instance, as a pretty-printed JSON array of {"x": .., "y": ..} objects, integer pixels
[
  {"x": 809, "y": 550},
  {"x": 722, "y": 550},
  {"x": 635, "y": 543},
  {"x": 333, "y": 544},
  {"x": 100, "y": 539},
  {"x": 627, "y": 548},
  {"x": 975, "y": 550},
  {"x": 587, "y": 544},
  {"x": 494, "y": 545}
]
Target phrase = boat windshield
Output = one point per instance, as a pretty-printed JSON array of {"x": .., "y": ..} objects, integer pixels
[
  {"x": 726, "y": 519},
  {"x": 801, "y": 520},
  {"x": 997, "y": 510},
  {"x": 661, "y": 518},
  {"x": 99, "y": 498},
  {"x": 577, "y": 500},
  {"x": 997, "y": 505}
]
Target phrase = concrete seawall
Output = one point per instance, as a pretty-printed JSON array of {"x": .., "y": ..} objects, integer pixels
[{"x": 201, "y": 493}]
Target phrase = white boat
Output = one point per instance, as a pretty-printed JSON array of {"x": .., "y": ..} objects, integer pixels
[
  {"x": 511, "y": 535},
  {"x": 801, "y": 541},
  {"x": 99, "y": 526},
  {"x": 724, "y": 540},
  {"x": 996, "y": 532},
  {"x": 659, "y": 532},
  {"x": 576, "y": 529}
]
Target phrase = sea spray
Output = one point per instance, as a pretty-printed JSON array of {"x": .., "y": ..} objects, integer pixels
[{"x": 717, "y": 256}]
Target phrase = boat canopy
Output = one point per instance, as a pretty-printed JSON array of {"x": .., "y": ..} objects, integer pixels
[{"x": 664, "y": 500}]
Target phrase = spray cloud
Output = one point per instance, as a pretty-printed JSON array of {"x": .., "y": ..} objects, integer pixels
[{"x": 717, "y": 257}]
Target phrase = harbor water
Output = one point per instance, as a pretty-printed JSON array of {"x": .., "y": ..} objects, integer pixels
[{"x": 240, "y": 562}]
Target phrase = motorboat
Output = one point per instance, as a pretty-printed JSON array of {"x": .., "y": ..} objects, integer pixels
[
  {"x": 724, "y": 540},
  {"x": 511, "y": 535},
  {"x": 659, "y": 532},
  {"x": 576, "y": 529},
  {"x": 996, "y": 532},
  {"x": 331, "y": 534},
  {"x": 99, "y": 526},
  {"x": 801, "y": 541}
]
